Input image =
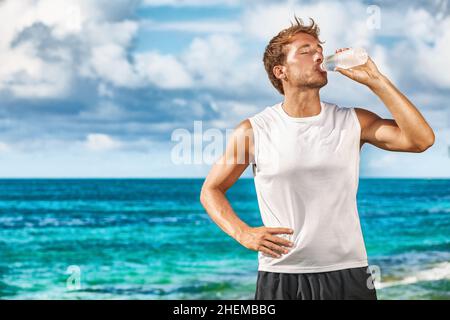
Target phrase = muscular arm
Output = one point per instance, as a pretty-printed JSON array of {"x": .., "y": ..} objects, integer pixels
[
  {"x": 407, "y": 132},
  {"x": 387, "y": 134},
  {"x": 225, "y": 172}
]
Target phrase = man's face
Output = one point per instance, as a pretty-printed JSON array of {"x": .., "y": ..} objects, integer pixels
[{"x": 303, "y": 59}]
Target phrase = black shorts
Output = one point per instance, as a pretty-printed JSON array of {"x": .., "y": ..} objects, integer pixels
[{"x": 346, "y": 284}]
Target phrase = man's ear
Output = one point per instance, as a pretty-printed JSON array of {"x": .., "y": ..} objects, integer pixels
[{"x": 279, "y": 72}]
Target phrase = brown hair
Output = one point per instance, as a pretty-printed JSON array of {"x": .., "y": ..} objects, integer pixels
[{"x": 275, "y": 53}]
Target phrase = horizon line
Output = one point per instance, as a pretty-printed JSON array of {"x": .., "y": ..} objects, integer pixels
[{"x": 197, "y": 178}]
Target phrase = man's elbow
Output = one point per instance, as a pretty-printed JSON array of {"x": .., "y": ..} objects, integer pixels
[
  {"x": 426, "y": 143},
  {"x": 203, "y": 195},
  {"x": 208, "y": 192}
]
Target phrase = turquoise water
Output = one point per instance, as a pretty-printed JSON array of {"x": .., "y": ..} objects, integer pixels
[{"x": 151, "y": 239}]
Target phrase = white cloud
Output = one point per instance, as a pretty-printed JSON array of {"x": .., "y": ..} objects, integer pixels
[
  {"x": 210, "y": 59},
  {"x": 101, "y": 142},
  {"x": 63, "y": 17},
  {"x": 4, "y": 147},
  {"x": 104, "y": 42},
  {"x": 99, "y": 33},
  {"x": 164, "y": 71},
  {"x": 106, "y": 46},
  {"x": 96, "y": 48},
  {"x": 200, "y": 26},
  {"x": 219, "y": 61},
  {"x": 189, "y": 3},
  {"x": 409, "y": 22},
  {"x": 110, "y": 64},
  {"x": 341, "y": 24},
  {"x": 432, "y": 61},
  {"x": 50, "y": 80},
  {"x": 79, "y": 31},
  {"x": 24, "y": 74},
  {"x": 232, "y": 112},
  {"x": 422, "y": 45}
]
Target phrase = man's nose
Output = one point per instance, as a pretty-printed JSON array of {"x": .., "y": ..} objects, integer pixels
[{"x": 318, "y": 57}]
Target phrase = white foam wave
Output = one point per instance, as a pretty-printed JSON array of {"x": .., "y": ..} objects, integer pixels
[{"x": 439, "y": 271}]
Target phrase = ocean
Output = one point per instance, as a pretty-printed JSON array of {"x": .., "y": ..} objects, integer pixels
[{"x": 151, "y": 239}]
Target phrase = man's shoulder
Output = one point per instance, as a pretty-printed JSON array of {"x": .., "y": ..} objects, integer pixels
[
  {"x": 332, "y": 105},
  {"x": 245, "y": 125},
  {"x": 266, "y": 114},
  {"x": 340, "y": 108},
  {"x": 255, "y": 120}
]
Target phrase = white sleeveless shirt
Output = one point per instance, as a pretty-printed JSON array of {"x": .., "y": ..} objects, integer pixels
[{"x": 306, "y": 173}]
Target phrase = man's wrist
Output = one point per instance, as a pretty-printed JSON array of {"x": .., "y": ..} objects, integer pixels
[
  {"x": 380, "y": 83},
  {"x": 240, "y": 231}
]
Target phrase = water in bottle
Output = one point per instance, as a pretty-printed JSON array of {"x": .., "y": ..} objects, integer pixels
[{"x": 345, "y": 59}]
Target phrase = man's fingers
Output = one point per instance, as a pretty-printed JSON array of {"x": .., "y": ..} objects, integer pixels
[
  {"x": 279, "y": 230},
  {"x": 269, "y": 252},
  {"x": 279, "y": 240},
  {"x": 345, "y": 72},
  {"x": 274, "y": 247}
]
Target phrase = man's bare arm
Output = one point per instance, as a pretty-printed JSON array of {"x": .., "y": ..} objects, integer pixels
[
  {"x": 408, "y": 131},
  {"x": 224, "y": 173},
  {"x": 385, "y": 133}
]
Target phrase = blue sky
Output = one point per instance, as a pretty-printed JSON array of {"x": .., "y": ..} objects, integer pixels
[{"x": 96, "y": 88}]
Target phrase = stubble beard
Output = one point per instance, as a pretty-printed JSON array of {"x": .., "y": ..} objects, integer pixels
[
  {"x": 311, "y": 81},
  {"x": 315, "y": 83}
]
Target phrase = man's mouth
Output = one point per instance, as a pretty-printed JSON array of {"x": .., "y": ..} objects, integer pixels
[{"x": 318, "y": 68}]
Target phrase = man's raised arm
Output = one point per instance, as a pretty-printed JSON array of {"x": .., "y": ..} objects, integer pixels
[{"x": 407, "y": 132}]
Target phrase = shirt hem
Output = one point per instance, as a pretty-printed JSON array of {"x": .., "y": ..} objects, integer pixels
[{"x": 334, "y": 267}]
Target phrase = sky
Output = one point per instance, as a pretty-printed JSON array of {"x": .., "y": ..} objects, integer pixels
[{"x": 96, "y": 88}]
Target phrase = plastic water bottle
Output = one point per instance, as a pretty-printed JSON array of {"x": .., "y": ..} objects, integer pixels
[{"x": 345, "y": 59}]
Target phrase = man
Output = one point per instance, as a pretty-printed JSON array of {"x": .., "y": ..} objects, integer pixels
[{"x": 305, "y": 158}]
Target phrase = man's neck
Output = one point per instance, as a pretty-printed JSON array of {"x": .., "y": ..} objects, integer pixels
[{"x": 302, "y": 103}]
